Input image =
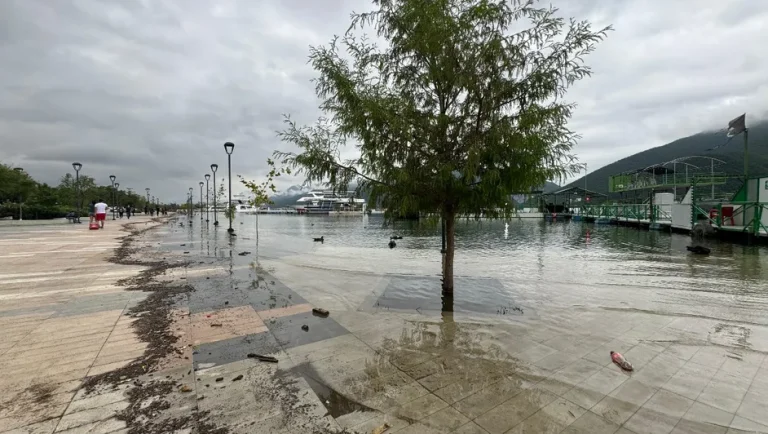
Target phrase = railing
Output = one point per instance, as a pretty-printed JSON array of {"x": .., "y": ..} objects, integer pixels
[
  {"x": 752, "y": 221},
  {"x": 627, "y": 211}
]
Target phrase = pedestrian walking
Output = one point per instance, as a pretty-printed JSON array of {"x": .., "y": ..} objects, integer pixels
[
  {"x": 91, "y": 212},
  {"x": 100, "y": 208},
  {"x": 128, "y": 211}
]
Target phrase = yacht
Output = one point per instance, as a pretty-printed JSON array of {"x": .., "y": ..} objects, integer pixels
[
  {"x": 330, "y": 203},
  {"x": 329, "y": 196},
  {"x": 242, "y": 204}
]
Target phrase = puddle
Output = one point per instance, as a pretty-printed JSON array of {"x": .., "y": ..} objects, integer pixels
[
  {"x": 472, "y": 295},
  {"x": 336, "y": 403}
]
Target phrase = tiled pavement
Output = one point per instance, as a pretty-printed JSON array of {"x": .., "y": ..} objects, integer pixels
[
  {"x": 62, "y": 319},
  {"x": 421, "y": 372}
]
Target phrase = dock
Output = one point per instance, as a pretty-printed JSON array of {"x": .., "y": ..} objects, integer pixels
[{"x": 744, "y": 215}]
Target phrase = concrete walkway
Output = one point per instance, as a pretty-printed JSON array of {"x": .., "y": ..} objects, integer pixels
[{"x": 62, "y": 319}]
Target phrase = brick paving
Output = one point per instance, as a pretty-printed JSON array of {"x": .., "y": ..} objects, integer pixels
[{"x": 64, "y": 319}]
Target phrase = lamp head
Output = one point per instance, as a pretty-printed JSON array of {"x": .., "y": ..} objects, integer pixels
[
  {"x": 214, "y": 167},
  {"x": 201, "y": 183},
  {"x": 229, "y": 147},
  {"x": 117, "y": 185},
  {"x": 147, "y": 189},
  {"x": 77, "y": 166},
  {"x": 190, "y": 189},
  {"x": 207, "y": 176},
  {"x": 112, "y": 178}
]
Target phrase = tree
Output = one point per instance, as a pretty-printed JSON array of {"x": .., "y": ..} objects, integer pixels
[
  {"x": 46, "y": 196},
  {"x": 221, "y": 195},
  {"x": 15, "y": 184},
  {"x": 68, "y": 193},
  {"x": 456, "y": 113},
  {"x": 262, "y": 192}
]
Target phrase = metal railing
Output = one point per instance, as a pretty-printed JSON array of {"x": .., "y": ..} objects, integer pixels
[
  {"x": 749, "y": 213},
  {"x": 627, "y": 211}
]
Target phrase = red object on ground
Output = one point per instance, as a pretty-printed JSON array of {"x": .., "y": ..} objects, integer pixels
[
  {"x": 101, "y": 217},
  {"x": 621, "y": 361},
  {"x": 93, "y": 226}
]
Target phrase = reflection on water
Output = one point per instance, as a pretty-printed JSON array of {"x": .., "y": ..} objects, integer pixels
[{"x": 538, "y": 263}]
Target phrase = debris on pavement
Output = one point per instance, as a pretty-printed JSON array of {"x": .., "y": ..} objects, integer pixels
[
  {"x": 244, "y": 253},
  {"x": 216, "y": 324},
  {"x": 305, "y": 328},
  {"x": 238, "y": 378},
  {"x": 220, "y": 379},
  {"x": 318, "y": 311},
  {"x": 262, "y": 358},
  {"x": 621, "y": 361},
  {"x": 380, "y": 429},
  {"x": 185, "y": 389}
]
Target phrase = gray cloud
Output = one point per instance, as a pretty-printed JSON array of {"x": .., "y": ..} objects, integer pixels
[{"x": 150, "y": 90}]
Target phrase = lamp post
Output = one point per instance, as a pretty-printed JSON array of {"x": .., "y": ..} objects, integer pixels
[
  {"x": 201, "y": 200},
  {"x": 117, "y": 195},
  {"x": 229, "y": 147},
  {"x": 214, "y": 168},
  {"x": 191, "y": 201},
  {"x": 112, "y": 178},
  {"x": 207, "y": 177},
  {"x": 148, "y": 204},
  {"x": 77, "y": 166}
]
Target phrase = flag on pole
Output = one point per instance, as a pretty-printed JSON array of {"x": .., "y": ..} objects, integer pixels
[{"x": 735, "y": 127}]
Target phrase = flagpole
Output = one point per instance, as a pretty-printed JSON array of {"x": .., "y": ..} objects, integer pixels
[{"x": 746, "y": 155}]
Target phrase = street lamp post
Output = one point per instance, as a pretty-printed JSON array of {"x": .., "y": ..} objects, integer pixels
[
  {"x": 207, "y": 177},
  {"x": 229, "y": 147},
  {"x": 77, "y": 166},
  {"x": 112, "y": 178},
  {"x": 214, "y": 168},
  {"x": 191, "y": 201},
  {"x": 117, "y": 195},
  {"x": 201, "y": 200}
]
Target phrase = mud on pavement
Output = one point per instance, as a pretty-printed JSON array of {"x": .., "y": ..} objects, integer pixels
[
  {"x": 150, "y": 396},
  {"x": 163, "y": 391}
]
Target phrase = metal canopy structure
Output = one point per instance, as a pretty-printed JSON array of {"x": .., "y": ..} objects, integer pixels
[
  {"x": 576, "y": 191},
  {"x": 680, "y": 172}
]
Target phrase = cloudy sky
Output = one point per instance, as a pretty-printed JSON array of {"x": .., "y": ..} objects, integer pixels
[{"x": 149, "y": 90}]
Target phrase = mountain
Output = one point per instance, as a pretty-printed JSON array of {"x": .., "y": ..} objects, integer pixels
[
  {"x": 696, "y": 145},
  {"x": 549, "y": 187},
  {"x": 289, "y": 196}
]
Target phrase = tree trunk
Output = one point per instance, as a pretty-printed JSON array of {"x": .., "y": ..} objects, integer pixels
[{"x": 450, "y": 245}]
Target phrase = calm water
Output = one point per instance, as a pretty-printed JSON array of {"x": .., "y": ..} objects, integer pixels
[{"x": 539, "y": 264}]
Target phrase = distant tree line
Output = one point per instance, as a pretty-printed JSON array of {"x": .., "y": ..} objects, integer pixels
[{"x": 22, "y": 194}]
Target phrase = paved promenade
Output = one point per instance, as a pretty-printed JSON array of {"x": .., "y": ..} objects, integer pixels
[
  {"x": 62, "y": 319},
  {"x": 362, "y": 368}
]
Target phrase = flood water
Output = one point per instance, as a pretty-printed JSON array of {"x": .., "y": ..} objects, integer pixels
[{"x": 533, "y": 264}]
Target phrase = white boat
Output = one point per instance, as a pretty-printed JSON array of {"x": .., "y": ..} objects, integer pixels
[
  {"x": 329, "y": 196},
  {"x": 327, "y": 202}
]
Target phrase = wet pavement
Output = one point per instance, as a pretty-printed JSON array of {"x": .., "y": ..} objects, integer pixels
[{"x": 393, "y": 352}]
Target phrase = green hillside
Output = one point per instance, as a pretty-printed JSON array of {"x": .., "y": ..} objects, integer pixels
[{"x": 732, "y": 154}]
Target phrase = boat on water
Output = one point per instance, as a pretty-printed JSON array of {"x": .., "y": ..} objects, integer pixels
[{"x": 331, "y": 203}]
